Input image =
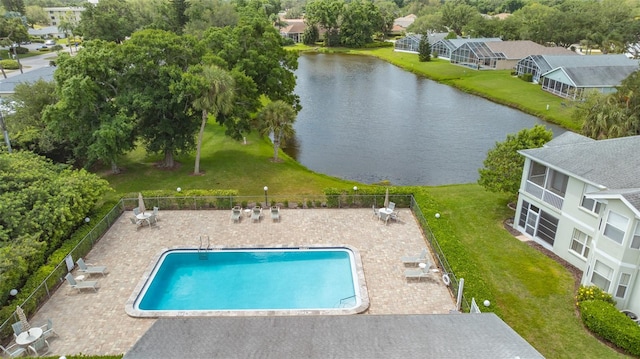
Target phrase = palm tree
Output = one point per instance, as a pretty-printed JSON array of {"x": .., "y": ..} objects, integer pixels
[
  {"x": 277, "y": 118},
  {"x": 215, "y": 96}
]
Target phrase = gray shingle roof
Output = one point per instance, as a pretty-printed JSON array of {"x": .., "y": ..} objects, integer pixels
[
  {"x": 523, "y": 48},
  {"x": 599, "y": 76},
  {"x": 459, "y": 336},
  {"x": 613, "y": 163}
]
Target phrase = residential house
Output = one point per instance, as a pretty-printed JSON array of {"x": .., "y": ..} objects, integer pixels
[
  {"x": 580, "y": 198},
  {"x": 445, "y": 47},
  {"x": 401, "y": 24},
  {"x": 575, "y": 82},
  {"x": 411, "y": 42},
  {"x": 539, "y": 64},
  {"x": 499, "y": 55},
  {"x": 294, "y": 29}
]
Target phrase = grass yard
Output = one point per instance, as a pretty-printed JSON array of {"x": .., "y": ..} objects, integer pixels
[
  {"x": 531, "y": 292},
  {"x": 227, "y": 164}
]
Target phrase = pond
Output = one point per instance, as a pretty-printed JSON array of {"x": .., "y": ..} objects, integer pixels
[{"x": 366, "y": 120}]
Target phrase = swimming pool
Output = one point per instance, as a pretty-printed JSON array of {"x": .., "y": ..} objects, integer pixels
[{"x": 251, "y": 281}]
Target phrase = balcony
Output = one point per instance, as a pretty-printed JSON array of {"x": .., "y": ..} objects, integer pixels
[{"x": 544, "y": 194}]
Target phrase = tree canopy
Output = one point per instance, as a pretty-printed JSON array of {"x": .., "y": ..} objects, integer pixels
[{"x": 502, "y": 169}]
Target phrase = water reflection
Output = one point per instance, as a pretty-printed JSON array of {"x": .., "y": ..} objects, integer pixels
[{"x": 366, "y": 120}]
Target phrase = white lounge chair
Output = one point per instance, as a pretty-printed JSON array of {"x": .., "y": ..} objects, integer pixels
[
  {"x": 256, "y": 213},
  {"x": 12, "y": 351},
  {"x": 422, "y": 258},
  {"x": 81, "y": 285},
  {"x": 82, "y": 267},
  {"x": 236, "y": 213},
  {"x": 275, "y": 214},
  {"x": 40, "y": 347},
  {"x": 418, "y": 273}
]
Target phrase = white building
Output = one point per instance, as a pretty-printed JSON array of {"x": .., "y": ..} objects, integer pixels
[
  {"x": 59, "y": 14},
  {"x": 580, "y": 198}
]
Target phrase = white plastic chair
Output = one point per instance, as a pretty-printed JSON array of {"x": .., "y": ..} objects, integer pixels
[
  {"x": 155, "y": 212},
  {"x": 392, "y": 206},
  {"x": 376, "y": 213},
  {"x": 40, "y": 347},
  {"x": 12, "y": 351},
  {"x": 136, "y": 211},
  {"x": 47, "y": 329}
]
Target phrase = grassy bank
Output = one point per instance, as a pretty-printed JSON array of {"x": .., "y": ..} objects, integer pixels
[{"x": 498, "y": 86}]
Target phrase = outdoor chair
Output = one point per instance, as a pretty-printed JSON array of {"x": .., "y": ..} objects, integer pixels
[
  {"x": 136, "y": 211},
  {"x": 155, "y": 213},
  {"x": 12, "y": 351},
  {"x": 392, "y": 205},
  {"x": 256, "y": 213},
  {"x": 422, "y": 258},
  {"x": 82, "y": 267},
  {"x": 17, "y": 328},
  {"x": 40, "y": 347},
  {"x": 420, "y": 273},
  {"x": 384, "y": 217},
  {"x": 275, "y": 214},
  {"x": 153, "y": 220},
  {"x": 81, "y": 285},
  {"x": 47, "y": 329},
  {"x": 376, "y": 213},
  {"x": 136, "y": 221},
  {"x": 395, "y": 215},
  {"x": 236, "y": 213}
]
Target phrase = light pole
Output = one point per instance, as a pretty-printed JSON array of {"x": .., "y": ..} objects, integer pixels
[
  {"x": 5, "y": 132},
  {"x": 266, "y": 202}
]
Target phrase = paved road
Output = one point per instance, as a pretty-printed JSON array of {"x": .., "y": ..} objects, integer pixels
[{"x": 32, "y": 63}]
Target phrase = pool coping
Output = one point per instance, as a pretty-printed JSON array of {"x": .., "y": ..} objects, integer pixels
[{"x": 131, "y": 310}]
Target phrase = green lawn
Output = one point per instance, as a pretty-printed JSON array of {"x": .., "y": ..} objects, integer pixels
[
  {"x": 531, "y": 293},
  {"x": 227, "y": 164}
]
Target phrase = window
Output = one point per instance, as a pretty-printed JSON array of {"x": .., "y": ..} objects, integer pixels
[
  {"x": 615, "y": 227},
  {"x": 601, "y": 276},
  {"x": 537, "y": 173},
  {"x": 580, "y": 243},
  {"x": 623, "y": 284},
  {"x": 590, "y": 204},
  {"x": 635, "y": 240},
  {"x": 558, "y": 183}
]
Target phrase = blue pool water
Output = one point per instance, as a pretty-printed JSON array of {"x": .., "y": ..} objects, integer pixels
[{"x": 256, "y": 279}]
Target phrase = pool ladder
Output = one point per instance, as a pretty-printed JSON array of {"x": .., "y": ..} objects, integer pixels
[{"x": 202, "y": 250}]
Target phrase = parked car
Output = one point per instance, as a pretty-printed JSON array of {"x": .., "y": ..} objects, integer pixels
[
  {"x": 50, "y": 42},
  {"x": 42, "y": 48},
  {"x": 633, "y": 316}
]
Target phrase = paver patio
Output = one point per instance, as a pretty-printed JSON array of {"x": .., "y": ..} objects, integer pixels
[{"x": 95, "y": 323}]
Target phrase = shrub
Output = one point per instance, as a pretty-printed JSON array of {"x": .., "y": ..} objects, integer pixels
[
  {"x": 9, "y": 64},
  {"x": 286, "y": 203},
  {"x": 593, "y": 293},
  {"x": 604, "y": 320},
  {"x": 526, "y": 77}
]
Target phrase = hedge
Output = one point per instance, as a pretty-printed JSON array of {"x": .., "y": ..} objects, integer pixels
[{"x": 607, "y": 322}]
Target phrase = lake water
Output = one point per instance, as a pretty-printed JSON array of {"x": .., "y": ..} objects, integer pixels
[{"x": 369, "y": 121}]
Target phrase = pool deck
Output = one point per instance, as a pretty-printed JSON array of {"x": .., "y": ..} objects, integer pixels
[{"x": 95, "y": 323}]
